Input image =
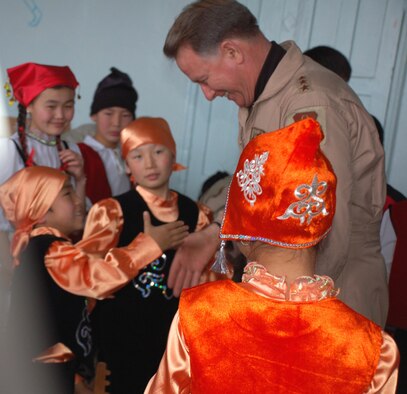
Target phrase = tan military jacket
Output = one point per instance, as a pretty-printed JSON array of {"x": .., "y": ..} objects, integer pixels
[{"x": 350, "y": 254}]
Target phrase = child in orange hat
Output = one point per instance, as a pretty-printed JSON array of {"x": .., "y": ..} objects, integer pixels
[
  {"x": 48, "y": 327},
  {"x": 46, "y": 101},
  {"x": 134, "y": 325},
  {"x": 282, "y": 330}
]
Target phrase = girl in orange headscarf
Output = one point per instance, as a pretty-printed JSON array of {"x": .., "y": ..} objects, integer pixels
[
  {"x": 49, "y": 323},
  {"x": 137, "y": 320},
  {"x": 282, "y": 330}
]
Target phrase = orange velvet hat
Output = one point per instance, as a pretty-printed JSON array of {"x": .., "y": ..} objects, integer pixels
[
  {"x": 283, "y": 189},
  {"x": 30, "y": 79},
  {"x": 147, "y": 130},
  {"x": 26, "y": 197}
]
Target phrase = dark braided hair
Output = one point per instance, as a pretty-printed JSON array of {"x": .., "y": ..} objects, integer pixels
[
  {"x": 21, "y": 126},
  {"x": 59, "y": 143}
]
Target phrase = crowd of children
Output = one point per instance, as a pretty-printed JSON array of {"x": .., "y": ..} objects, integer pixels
[{"x": 105, "y": 296}]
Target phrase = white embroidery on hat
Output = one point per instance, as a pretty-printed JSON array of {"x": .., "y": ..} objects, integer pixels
[
  {"x": 310, "y": 205},
  {"x": 249, "y": 179}
]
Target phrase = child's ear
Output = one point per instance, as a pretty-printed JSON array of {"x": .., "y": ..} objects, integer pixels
[
  {"x": 93, "y": 117},
  {"x": 128, "y": 172},
  {"x": 42, "y": 221}
]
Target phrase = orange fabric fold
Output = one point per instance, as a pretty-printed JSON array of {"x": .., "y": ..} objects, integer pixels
[
  {"x": 26, "y": 197},
  {"x": 167, "y": 210},
  {"x": 205, "y": 217},
  {"x": 93, "y": 267},
  {"x": 58, "y": 353}
]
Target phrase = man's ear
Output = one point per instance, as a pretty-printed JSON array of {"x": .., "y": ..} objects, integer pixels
[{"x": 232, "y": 50}]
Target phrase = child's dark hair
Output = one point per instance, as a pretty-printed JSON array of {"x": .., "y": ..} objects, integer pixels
[{"x": 212, "y": 180}]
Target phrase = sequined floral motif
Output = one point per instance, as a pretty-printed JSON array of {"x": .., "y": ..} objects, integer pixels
[
  {"x": 153, "y": 278},
  {"x": 249, "y": 178},
  {"x": 310, "y": 205}
]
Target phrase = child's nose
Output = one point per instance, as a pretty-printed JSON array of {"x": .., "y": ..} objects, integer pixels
[
  {"x": 149, "y": 161},
  {"x": 116, "y": 119},
  {"x": 59, "y": 112}
]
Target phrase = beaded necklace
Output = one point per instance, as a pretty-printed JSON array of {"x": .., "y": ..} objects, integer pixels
[{"x": 41, "y": 140}]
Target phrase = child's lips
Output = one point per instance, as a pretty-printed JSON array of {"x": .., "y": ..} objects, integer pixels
[{"x": 152, "y": 177}]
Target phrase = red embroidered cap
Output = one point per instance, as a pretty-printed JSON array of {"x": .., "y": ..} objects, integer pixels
[
  {"x": 28, "y": 80},
  {"x": 283, "y": 189}
]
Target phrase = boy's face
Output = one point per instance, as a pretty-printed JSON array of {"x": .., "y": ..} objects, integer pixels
[
  {"x": 52, "y": 110},
  {"x": 151, "y": 167},
  {"x": 109, "y": 123},
  {"x": 66, "y": 213}
]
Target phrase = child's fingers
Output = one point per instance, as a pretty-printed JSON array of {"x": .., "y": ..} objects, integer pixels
[
  {"x": 177, "y": 236},
  {"x": 146, "y": 220}
]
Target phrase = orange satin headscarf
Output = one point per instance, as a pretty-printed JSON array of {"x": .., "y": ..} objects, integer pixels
[
  {"x": 147, "y": 130},
  {"x": 283, "y": 189},
  {"x": 26, "y": 197}
]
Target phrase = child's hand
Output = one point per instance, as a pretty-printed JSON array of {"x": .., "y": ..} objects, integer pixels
[
  {"x": 73, "y": 163},
  {"x": 169, "y": 235}
]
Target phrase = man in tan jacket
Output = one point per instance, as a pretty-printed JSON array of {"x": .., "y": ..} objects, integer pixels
[{"x": 275, "y": 85}]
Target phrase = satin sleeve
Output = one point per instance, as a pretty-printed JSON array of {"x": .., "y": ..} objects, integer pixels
[
  {"x": 94, "y": 267},
  {"x": 205, "y": 216},
  {"x": 174, "y": 372},
  {"x": 385, "y": 378}
]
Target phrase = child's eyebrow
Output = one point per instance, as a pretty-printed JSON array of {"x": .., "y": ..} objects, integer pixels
[{"x": 51, "y": 101}]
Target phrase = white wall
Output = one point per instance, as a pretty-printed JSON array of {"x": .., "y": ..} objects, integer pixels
[{"x": 93, "y": 35}]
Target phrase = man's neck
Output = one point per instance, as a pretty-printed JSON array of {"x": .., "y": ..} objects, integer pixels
[{"x": 270, "y": 63}]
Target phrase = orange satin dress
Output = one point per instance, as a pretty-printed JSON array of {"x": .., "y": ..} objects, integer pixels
[
  {"x": 94, "y": 267},
  {"x": 225, "y": 335}
]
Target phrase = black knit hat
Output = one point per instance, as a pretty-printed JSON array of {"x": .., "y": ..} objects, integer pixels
[{"x": 115, "y": 90}]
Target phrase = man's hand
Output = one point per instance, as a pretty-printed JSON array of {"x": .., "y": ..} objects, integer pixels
[
  {"x": 169, "y": 235},
  {"x": 192, "y": 258}
]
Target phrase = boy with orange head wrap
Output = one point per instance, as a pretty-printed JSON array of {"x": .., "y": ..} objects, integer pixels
[
  {"x": 137, "y": 320},
  {"x": 48, "y": 325},
  {"x": 282, "y": 330}
]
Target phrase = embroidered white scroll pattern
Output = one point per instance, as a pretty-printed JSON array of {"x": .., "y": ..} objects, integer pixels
[
  {"x": 249, "y": 179},
  {"x": 310, "y": 205}
]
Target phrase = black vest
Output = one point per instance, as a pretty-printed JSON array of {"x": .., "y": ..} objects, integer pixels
[
  {"x": 133, "y": 326},
  {"x": 42, "y": 314}
]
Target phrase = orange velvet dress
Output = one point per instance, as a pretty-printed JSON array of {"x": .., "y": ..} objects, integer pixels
[{"x": 260, "y": 337}]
